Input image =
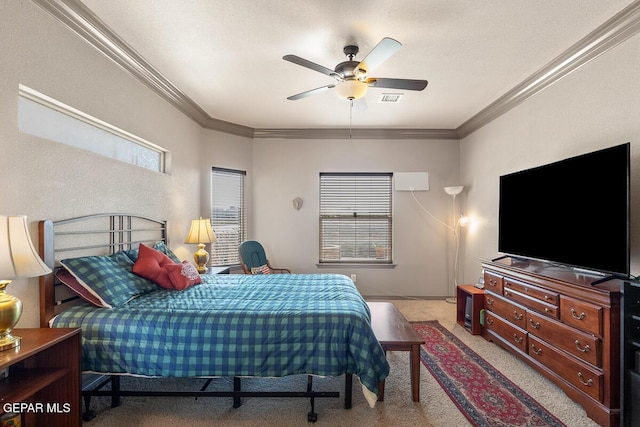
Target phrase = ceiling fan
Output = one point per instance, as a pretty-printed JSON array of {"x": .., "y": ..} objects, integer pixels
[{"x": 352, "y": 76}]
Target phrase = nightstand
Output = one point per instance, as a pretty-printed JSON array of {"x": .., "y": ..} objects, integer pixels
[
  {"x": 477, "y": 304},
  {"x": 218, "y": 270},
  {"x": 43, "y": 382}
]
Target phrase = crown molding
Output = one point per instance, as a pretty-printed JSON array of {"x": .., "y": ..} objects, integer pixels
[
  {"x": 77, "y": 17},
  {"x": 359, "y": 133},
  {"x": 613, "y": 32}
]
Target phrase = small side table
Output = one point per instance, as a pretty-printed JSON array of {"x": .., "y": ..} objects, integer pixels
[
  {"x": 218, "y": 270},
  {"x": 477, "y": 304}
]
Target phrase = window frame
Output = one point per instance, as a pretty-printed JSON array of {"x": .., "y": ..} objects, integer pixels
[
  {"x": 382, "y": 211},
  {"x": 224, "y": 251}
]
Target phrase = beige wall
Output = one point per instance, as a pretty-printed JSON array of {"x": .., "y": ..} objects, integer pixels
[
  {"x": 43, "y": 179},
  {"x": 285, "y": 169},
  {"x": 595, "y": 107}
]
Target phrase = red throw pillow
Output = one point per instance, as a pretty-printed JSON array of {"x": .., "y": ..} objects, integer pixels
[
  {"x": 183, "y": 275},
  {"x": 150, "y": 265}
]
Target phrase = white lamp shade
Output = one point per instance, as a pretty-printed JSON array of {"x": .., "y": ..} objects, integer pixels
[
  {"x": 351, "y": 89},
  {"x": 18, "y": 257},
  {"x": 453, "y": 191},
  {"x": 200, "y": 232}
]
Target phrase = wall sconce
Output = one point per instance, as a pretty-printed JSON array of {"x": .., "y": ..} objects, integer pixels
[{"x": 297, "y": 203}]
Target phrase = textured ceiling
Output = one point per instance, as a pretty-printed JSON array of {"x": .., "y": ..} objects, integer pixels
[{"x": 226, "y": 56}]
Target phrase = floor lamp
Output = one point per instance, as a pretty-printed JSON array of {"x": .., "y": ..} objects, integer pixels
[{"x": 453, "y": 192}]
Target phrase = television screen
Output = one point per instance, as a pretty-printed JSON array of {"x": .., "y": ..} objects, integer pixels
[{"x": 573, "y": 212}]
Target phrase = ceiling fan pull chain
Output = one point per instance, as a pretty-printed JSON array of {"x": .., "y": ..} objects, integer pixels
[{"x": 350, "y": 116}]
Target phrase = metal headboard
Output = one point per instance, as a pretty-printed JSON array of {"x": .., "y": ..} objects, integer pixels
[{"x": 99, "y": 234}]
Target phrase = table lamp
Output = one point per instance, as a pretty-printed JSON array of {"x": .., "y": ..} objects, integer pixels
[
  {"x": 201, "y": 233},
  {"x": 18, "y": 260}
]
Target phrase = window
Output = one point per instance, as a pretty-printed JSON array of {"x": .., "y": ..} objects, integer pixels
[
  {"x": 45, "y": 117},
  {"x": 228, "y": 215},
  {"x": 355, "y": 218}
]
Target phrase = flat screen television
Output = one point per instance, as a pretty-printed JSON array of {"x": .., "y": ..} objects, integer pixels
[{"x": 573, "y": 212}]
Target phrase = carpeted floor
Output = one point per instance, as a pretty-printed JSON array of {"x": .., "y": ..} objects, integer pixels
[{"x": 435, "y": 408}]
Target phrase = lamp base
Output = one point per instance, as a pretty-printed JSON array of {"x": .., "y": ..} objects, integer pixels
[
  {"x": 10, "y": 311},
  {"x": 201, "y": 257},
  {"x": 8, "y": 342}
]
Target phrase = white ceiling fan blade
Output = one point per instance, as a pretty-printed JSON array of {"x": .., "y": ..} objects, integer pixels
[
  {"x": 383, "y": 51},
  {"x": 406, "y": 84},
  {"x": 312, "y": 66},
  {"x": 310, "y": 92}
]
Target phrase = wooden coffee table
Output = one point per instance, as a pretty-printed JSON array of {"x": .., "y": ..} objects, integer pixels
[{"x": 396, "y": 334}]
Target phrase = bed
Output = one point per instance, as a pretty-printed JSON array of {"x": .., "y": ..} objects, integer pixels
[{"x": 226, "y": 326}]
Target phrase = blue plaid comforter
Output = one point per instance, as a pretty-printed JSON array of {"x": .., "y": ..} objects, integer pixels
[{"x": 235, "y": 325}]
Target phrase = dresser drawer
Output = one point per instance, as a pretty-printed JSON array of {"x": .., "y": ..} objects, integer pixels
[
  {"x": 584, "y": 346},
  {"x": 530, "y": 290},
  {"x": 580, "y": 314},
  {"x": 585, "y": 378},
  {"x": 509, "y": 333},
  {"x": 493, "y": 282},
  {"x": 506, "y": 309},
  {"x": 533, "y": 303}
]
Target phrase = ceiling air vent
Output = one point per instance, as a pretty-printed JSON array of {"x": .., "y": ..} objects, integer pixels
[{"x": 391, "y": 98}]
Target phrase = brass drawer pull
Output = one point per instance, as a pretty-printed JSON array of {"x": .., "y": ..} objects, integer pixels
[
  {"x": 517, "y": 316},
  {"x": 517, "y": 339},
  {"x": 489, "y": 321},
  {"x": 580, "y": 317},
  {"x": 490, "y": 301},
  {"x": 507, "y": 293},
  {"x": 547, "y": 310},
  {"x": 535, "y": 325},
  {"x": 537, "y": 351},
  {"x": 588, "y": 383},
  {"x": 583, "y": 349}
]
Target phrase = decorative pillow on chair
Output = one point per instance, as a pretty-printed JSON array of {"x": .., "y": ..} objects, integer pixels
[
  {"x": 183, "y": 275},
  {"x": 109, "y": 277},
  {"x": 263, "y": 269},
  {"x": 150, "y": 265}
]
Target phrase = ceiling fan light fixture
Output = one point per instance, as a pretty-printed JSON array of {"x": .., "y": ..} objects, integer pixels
[{"x": 351, "y": 89}]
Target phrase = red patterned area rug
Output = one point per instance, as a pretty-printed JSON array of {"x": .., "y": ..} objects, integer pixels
[{"x": 483, "y": 394}]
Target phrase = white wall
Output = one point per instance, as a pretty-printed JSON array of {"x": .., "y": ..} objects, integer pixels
[
  {"x": 47, "y": 180},
  {"x": 286, "y": 169},
  {"x": 595, "y": 107}
]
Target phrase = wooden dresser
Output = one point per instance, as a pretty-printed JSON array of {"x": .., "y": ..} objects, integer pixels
[{"x": 561, "y": 324}]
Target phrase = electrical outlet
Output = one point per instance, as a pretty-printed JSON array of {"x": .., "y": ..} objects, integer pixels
[{"x": 353, "y": 277}]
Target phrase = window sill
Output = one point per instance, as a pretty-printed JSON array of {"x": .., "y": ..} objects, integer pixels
[{"x": 353, "y": 265}]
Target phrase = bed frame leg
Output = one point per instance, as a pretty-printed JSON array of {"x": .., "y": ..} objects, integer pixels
[
  {"x": 115, "y": 391},
  {"x": 348, "y": 390},
  {"x": 237, "y": 401},
  {"x": 88, "y": 414},
  {"x": 312, "y": 416}
]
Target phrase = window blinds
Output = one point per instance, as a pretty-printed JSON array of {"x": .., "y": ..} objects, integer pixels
[
  {"x": 355, "y": 217},
  {"x": 228, "y": 215}
]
